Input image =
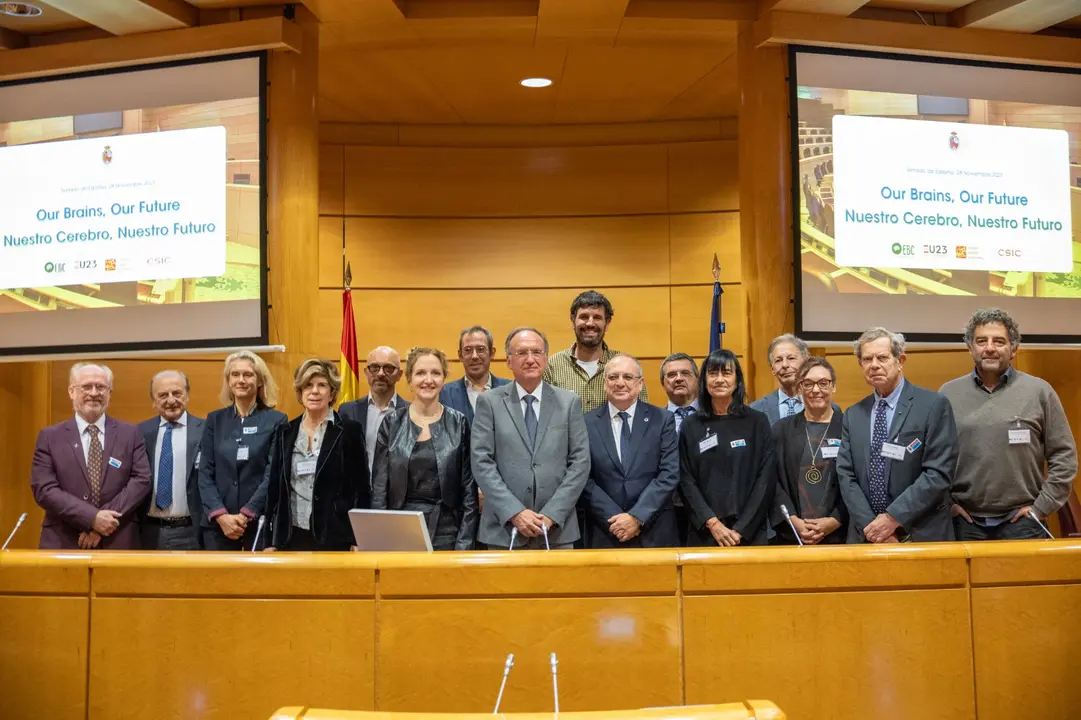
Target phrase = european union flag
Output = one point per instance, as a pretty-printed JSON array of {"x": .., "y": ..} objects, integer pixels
[{"x": 716, "y": 327}]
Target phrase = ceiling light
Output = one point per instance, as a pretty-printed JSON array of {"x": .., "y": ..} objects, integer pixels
[
  {"x": 536, "y": 82},
  {"x": 19, "y": 9}
]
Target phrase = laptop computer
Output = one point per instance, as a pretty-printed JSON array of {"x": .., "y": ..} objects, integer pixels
[{"x": 390, "y": 530}]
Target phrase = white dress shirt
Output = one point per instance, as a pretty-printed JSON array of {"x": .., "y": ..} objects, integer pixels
[
  {"x": 617, "y": 423},
  {"x": 689, "y": 409},
  {"x": 783, "y": 402},
  {"x": 522, "y": 392},
  {"x": 472, "y": 393},
  {"x": 84, "y": 437},
  {"x": 371, "y": 426},
  {"x": 179, "y": 508}
]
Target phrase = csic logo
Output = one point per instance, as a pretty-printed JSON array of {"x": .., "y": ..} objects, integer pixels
[
  {"x": 962, "y": 252},
  {"x": 159, "y": 261},
  {"x": 955, "y": 142},
  {"x": 51, "y": 267},
  {"x": 935, "y": 250},
  {"x": 1009, "y": 252},
  {"x": 899, "y": 249}
]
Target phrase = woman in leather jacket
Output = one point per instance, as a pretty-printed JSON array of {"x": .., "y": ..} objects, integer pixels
[{"x": 422, "y": 458}]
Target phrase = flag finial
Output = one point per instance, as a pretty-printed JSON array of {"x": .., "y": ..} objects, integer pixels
[
  {"x": 716, "y": 269},
  {"x": 349, "y": 274}
]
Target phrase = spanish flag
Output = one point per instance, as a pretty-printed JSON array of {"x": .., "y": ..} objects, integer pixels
[{"x": 350, "y": 361}]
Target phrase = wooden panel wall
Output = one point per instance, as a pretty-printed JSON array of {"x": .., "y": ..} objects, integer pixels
[{"x": 441, "y": 235}]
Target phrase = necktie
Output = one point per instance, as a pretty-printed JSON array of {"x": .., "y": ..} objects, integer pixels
[
  {"x": 93, "y": 465},
  {"x": 530, "y": 419},
  {"x": 624, "y": 438},
  {"x": 877, "y": 485},
  {"x": 164, "y": 497},
  {"x": 681, "y": 415}
]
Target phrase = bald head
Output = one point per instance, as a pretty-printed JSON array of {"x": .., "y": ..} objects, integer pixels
[{"x": 383, "y": 371}]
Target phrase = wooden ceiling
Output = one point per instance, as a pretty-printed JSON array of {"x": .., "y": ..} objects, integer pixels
[{"x": 460, "y": 61}]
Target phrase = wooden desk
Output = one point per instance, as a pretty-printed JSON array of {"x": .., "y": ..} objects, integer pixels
[{"x": 750, "y": 710}]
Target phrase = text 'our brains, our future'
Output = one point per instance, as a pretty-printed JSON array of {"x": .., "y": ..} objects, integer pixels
[{"x": 155, "y": 228}]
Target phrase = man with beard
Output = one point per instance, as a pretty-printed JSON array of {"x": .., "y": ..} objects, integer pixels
[
  {"x": 1009, "y": 424},
  {"x": 786, "y": 353},
  {"x": 475, "y": 349},
  {"x": 90, "y": 472},
  {"x": 580, "y": 368},
  {"x": 172, "y": 446},
  {"x": 382, "y": 371}
]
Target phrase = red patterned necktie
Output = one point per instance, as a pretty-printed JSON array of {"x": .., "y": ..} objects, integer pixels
[{"x": 93, "y": 465}]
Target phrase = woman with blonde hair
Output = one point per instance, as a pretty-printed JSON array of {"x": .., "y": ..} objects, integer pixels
[
  {"x": 318, "y": 468},
  {"x": 235, "y": 451},
  {"x": 422, "y": 458}
]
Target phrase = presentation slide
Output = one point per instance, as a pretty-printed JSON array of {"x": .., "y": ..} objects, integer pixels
[
  {"x": 132, "y": 210},
  {"x": 951, "y": 196},
  {"x": 931, "y": 189},
  {"x": 124, "y": 209}
]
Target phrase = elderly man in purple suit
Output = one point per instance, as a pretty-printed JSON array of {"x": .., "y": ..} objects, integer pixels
[{"x": 90, "y": 473}]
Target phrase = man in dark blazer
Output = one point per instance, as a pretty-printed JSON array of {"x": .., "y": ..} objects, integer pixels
[
  {"x": 90, "y": 473},
  {"x": 383, "y": 370},
  {"x": 898, "y": 451},
  {"x": 169, "y": 518},
  {"x": 785, "y": 355},
  {"x": 634, "y": 466},
  {"x": 475, "y": 349}
]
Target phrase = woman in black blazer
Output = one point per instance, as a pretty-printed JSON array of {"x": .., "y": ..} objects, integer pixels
[
  {"x": 422, "y": 458},
  {"x": 235, "y": 451},
  {"x": 726, "y": 462},
  {"x": 806, "y": 447},
  {"x": 318, "y": 468}
]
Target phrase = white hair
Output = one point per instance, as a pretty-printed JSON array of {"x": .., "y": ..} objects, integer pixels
[
  {"x": 897, "y": 341},
  {"x": 80, "y": 366}
]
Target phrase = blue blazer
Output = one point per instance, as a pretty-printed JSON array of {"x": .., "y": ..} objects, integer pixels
[
  {"x": 645, "y": 489},
  {"x": 149, "y": 429},
  {"x": 454, "y": 395}
]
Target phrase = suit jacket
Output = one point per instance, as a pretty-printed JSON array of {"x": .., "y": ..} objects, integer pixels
[
  {"x": 918, "y": 486},
  {"x": 450, "y": 440},
  {"x": 341, "y": 484},
  {"x": 644, "y": 489},
  {"x": 225, "y": 483},
  {"x": 149, "y": 429},
  {"x": 790, "y": 438},
  {"x": 547, "y": 478},
  {"x": 454, "y": 395},
  {"x": 357, "y": 410},
  {"x": 61, "y": 486}
]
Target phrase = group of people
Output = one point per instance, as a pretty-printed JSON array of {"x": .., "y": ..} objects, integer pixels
[{"x": 568, "y": 452}]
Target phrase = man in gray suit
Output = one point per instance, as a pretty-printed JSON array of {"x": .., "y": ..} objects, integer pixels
[
  {"x": 898, "y": 451},
  {"x": 786, "y": 353},
  {"x": 530, "y": 453},
  {"x": 169, "y": 518}
]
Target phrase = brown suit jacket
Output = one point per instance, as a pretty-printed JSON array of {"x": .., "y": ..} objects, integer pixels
[{"x": 61, "y": 486}]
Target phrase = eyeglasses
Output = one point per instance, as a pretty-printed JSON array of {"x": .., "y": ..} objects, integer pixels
[
  {"x": 523, "y": 354},
  {"x": 92, "y": 387},
  {"x": 625, "y": 377},
  {"x": 479, "y": 351},
  {"x": 809, "y": 385},
  {"x": 673, "y": 374},
  {"x": 387, "y": 370}
]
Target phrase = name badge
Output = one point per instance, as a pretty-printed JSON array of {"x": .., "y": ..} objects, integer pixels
[
  {"x": 914, "y": 445},
  {"x": 242, "y": 453},
  {"x": 708, "y": 443},
  {"x": 1020, "y": 436},
  {"x": 830, "y": 452},
  {"x": 306, "y": 467},
  {"x": 251, "y": 430},
  {"x": 892, "y": 451},
  {"x": 833, "y": 442},
  {"x": 738, "y": 443},
  {"x": 116, "y": 463},
  {"x": 198, "y": 457}
]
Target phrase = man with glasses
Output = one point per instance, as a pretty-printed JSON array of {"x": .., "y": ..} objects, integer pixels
[
  {"x": 530, "y": 453},
  {"x": 90, "y": 473},
  {"x": 634, "y": 465},
  {"x": 476, "y": 347},
  {"x": 382, "y": 372}
]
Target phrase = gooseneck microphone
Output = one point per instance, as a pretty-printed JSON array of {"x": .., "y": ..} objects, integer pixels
[
  {"x": 19, "y": 524},
  {"x": 545, "y": 529},
  {"x": 513, "y": 534},
  {"x": 258, "y": 532},
  {"x": 555, "y": 681},
  {"x": 784, "y": 511},
  {"x": 1031, "y": 515},
  {"x": 506, "y": 671}
]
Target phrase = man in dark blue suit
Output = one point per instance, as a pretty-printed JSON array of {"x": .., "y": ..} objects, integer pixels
[
  {"x": 475, "y": 349},
  {"x": 169, "y": 517},
  {"x": 634, "y": 466}
]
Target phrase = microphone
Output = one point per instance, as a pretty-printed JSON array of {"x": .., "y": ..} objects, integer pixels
[
  {"x": 555, "y": 681},
  {"x": 784, "y": 511},
  {"x": 19, "y": 524},
  {"x": 546, "y": 545},
  {"x": 258, "y": 532},
  {"x": 506, "y": 671},
  {"x": 1031, "y": 514},
  {"x": 513, "y": 534}
]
